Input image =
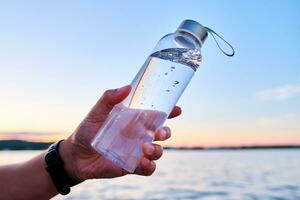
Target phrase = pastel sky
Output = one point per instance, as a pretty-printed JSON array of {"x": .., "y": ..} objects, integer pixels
[{"x": 58, "y": 57}]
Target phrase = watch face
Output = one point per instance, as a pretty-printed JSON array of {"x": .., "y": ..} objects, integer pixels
[
  {"x": 52, "y": 146},
  {"x": 53, "y": 158}
]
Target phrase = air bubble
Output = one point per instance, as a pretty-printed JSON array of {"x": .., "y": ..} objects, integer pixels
[
  {"x": 166, "y": 73},
  {"x": 168, "y": 90},
  {"x": 175, "y": 83}
]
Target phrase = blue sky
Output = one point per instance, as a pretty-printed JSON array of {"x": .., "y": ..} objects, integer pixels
[{"x": 57, "y": 57}]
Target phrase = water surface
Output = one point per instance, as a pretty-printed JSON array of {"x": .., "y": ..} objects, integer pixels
[{"x": 230, "y": 174}]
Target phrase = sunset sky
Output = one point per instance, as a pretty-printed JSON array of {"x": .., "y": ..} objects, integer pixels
[{"x": 58, "y": 57}]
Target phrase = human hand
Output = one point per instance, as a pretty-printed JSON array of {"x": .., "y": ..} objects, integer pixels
[{"x": 83, "y": 162}]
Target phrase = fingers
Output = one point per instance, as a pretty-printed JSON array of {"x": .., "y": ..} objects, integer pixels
[
  {"x": 107, "y": 102},
  {"x": 146, "y": 167},
  {"x": 162, "y": 134},
  {"x": 152, "y": 151},
  {"x": 175, "y": 112}
]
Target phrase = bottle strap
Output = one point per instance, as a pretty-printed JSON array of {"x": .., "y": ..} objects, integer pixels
[{"x": 213, "y": 33}]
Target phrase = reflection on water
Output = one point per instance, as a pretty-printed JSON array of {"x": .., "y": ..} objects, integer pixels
[{"x": 247, "y": 174}]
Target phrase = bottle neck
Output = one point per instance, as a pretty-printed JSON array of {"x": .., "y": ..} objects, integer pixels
[{"x": 190, "y": 36}]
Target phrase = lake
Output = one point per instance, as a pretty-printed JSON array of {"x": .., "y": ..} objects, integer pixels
[{"x": 196, "y": 174}]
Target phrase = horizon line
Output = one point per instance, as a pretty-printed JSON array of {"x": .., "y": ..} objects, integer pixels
[{"x": 283, "y": 145}]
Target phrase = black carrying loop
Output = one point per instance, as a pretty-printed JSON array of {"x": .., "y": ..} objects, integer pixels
[{"x": 212, "y": 33}]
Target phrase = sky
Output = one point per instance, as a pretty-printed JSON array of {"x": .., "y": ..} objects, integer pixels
[{"x": 58, "y": 57}]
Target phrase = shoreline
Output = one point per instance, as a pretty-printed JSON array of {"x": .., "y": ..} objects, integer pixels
[{"x": 15, "y": 145}]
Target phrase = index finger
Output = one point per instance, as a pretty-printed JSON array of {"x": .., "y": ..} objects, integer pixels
[{"x": 175, "y": 112}]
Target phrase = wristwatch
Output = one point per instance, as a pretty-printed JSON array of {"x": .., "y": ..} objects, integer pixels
[{"x": 55, "y": 168}]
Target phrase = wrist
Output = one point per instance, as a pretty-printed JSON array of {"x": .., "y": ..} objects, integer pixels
[
  {"x": 68, "y": 156},
  {"x": 56, "y": 168}
]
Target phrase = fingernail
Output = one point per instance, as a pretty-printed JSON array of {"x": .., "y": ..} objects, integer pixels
[
  {"x": 164, "y": 134},
  {"x": 168, "y": 132},
  {"x": 149, "y": 148},
  {"x": 122, "y": 88}
]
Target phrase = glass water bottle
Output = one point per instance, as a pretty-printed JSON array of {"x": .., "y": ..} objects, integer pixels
[{"x": 155, "y": 90}]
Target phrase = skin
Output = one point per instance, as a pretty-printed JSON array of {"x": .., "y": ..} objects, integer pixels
[{"x": 29, "y": 180}]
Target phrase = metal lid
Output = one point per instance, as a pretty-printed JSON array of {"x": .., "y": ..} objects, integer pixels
[{"x": 194, "y": 28}]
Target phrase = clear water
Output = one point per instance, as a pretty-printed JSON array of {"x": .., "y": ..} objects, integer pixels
[
  {"x": 124, "y": 132},
  {"x": 155, "y": 90},
  {"x": 163, "y": 78},
  {"x": 188, "y": 57},
  {"x": 204, "y": 175}
]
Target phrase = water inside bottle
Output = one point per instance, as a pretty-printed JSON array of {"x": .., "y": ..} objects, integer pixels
[
  {"x": 124, "y": 132},
  {"x": 155, "y": 90},
  {"x": 189, "y": 57},
  {"x": 163, "y": 78}
]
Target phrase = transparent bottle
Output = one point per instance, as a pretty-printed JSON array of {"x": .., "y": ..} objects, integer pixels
[{"x": 155, "y": 90}]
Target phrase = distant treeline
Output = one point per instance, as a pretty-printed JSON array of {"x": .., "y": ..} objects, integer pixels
[
  {"x": 238, "y": 147},
  {"x": 25, "y": 145}
]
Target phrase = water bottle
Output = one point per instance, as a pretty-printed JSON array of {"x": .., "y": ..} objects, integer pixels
[{"x": 155, "y": 90}]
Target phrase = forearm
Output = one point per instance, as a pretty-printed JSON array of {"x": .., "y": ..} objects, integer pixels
[{"x": 28, "y": 180}]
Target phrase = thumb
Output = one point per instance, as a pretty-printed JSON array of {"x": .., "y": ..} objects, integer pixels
[{"x": 107, "y": 101}]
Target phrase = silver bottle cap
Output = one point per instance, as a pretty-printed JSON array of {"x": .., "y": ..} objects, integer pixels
[{"x": 194, "y": 28}]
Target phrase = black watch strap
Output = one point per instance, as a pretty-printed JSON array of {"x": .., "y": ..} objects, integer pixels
[{"x": 55, "y": 167}]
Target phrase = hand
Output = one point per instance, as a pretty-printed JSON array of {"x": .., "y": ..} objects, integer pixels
[{"x": 83, "y": 162}]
